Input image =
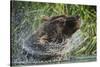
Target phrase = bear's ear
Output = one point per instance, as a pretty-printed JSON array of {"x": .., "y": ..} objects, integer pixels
[{"x": 45, "y": 18}]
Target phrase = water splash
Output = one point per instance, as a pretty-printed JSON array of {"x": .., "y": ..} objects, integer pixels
[
  {"x": 22, "y": 54},
  {"x": 75, "y": 41}
]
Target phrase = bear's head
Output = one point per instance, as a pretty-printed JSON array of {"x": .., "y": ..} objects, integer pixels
[
  {"x": 64, "y": 24},
  {"x": 58, "y": 28}
]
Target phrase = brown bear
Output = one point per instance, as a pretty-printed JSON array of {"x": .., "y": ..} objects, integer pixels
[
  {"x": 57, "y": 28},
  {"x": 49, "y": 41}
]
